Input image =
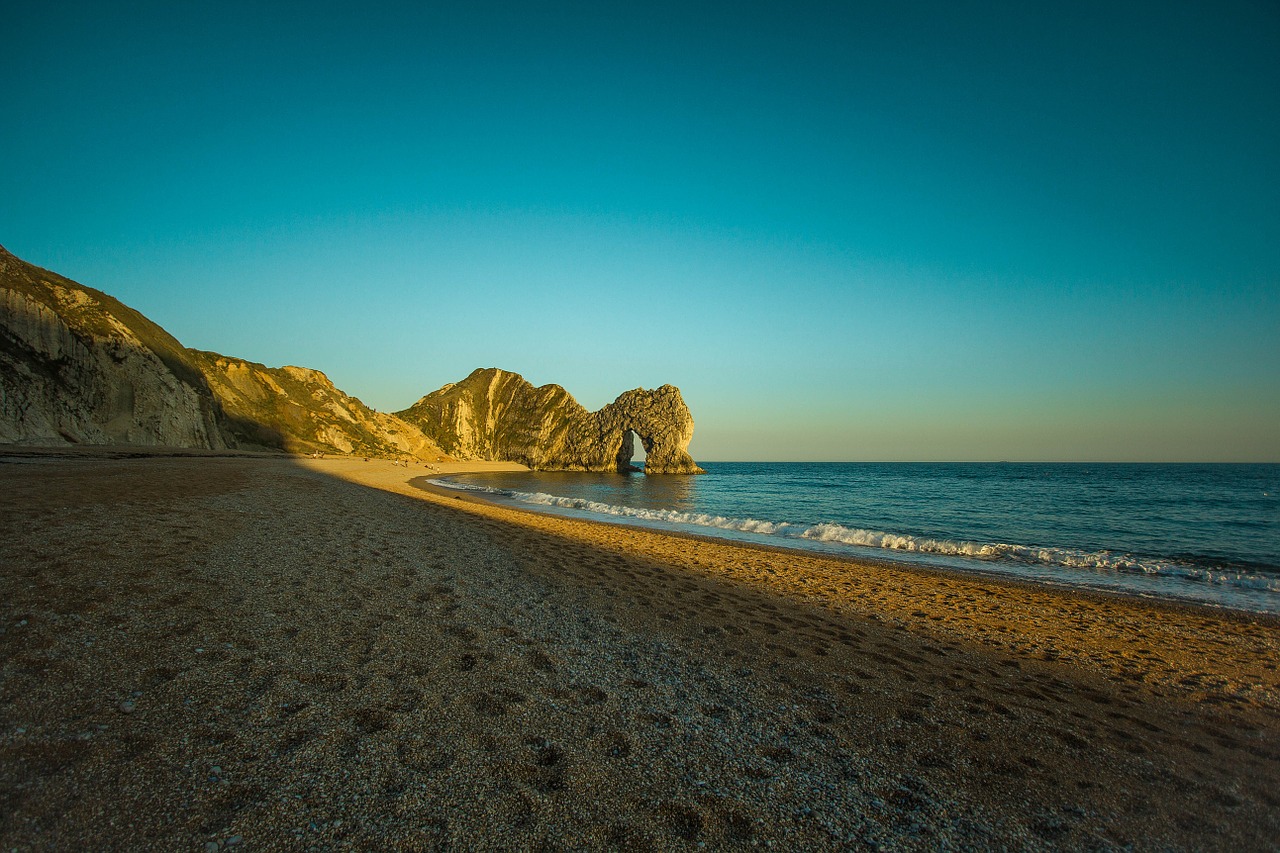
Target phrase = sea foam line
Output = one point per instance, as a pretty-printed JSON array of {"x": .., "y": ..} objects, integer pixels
[{"x": 829, "y": 532}]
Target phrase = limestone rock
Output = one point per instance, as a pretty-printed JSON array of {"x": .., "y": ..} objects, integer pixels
[
  {"x": 662, "y": 422},
  {"x": 495, "y": 414},
  {"x": 77, "y": 366},
  {"x": 299, "y": 410}
]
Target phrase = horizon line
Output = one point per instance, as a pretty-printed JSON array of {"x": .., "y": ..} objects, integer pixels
[{"x": 991, "y": 461}]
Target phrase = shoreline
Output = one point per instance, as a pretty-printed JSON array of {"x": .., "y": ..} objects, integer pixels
[
  {"x": 295, "y": 652},
  {"x": 1025, "y": 620},
  {"x": 1170, "y": 602}
]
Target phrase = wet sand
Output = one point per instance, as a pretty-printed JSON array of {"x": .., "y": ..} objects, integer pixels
[{"x": 291, "y": 654}]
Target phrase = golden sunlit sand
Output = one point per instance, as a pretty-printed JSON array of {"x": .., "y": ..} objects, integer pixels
[{"x": 282, "y": 653}]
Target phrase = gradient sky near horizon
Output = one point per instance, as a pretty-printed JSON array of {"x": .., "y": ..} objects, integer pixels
[{"x": 907, "y": 231}]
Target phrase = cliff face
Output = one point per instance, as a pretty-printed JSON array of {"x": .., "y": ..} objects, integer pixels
[
  {"x": 301, "y": 411},
  {"x": 662, "y": 422},
  {"x": 77, "y": 366},
  {"x": 494, "y": 414}
]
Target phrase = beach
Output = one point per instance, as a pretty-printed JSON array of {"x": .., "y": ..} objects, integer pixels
[{"x": 275, "y": 653}]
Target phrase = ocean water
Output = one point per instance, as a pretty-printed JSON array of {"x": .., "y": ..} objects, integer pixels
[{"x": 1205, "y": 533}]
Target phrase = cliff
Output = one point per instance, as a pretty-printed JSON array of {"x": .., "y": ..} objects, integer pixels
[
  {"x": 299, "y": 410},
  {"x": 77, "y": 366},
  {"x": 495, "y": 414}
]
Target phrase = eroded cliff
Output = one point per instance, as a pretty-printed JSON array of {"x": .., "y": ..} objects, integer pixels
[
  {"x": 495, "y": 414},
  {"x": 77, "y": 366},
  {"x": 299, "y": 410}
]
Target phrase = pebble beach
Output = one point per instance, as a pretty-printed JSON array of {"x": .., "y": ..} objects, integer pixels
[{"x": 203, "y": 652}]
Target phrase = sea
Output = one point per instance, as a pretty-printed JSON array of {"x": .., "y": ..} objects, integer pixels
[{"x": 1201, "y": 533}]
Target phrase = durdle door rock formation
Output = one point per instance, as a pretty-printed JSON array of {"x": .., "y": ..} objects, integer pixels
[
  {"x": 79, "y": 367},
  {"x": 495, "y": 414}
]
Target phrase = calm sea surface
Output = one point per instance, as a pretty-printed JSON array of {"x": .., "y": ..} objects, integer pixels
[{"x": 1209, "y": 533}]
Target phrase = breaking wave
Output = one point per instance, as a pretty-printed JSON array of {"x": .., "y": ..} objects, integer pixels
[{"x": 990, "y": 552}]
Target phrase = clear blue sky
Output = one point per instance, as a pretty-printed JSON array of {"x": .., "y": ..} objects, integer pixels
[{"x": 914, "y": 231}]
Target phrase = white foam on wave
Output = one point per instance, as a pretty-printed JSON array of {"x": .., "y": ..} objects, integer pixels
[{"x": 1098, "y": 561}]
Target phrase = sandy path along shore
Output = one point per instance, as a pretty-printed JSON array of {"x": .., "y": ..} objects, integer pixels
[{"x": 317, "y": 652}]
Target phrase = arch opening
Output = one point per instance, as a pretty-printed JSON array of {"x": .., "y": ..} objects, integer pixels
[{"x": 633, "y": 452}]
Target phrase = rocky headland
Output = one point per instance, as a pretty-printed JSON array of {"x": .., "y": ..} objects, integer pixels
[
  {"x": 80, "y": 367},
  {"x": 495, "y": 414}
]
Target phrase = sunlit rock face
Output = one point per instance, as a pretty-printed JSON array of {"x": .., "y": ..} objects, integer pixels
[
  {"x": 662, "y": 422},
  {"x": 299, "y": 410},
  {"x": 79, "y": 367},
  {"x": 495, "y": 414}
]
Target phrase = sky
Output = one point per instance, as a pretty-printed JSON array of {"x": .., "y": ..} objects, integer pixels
[{"x": 898, "y": 231}]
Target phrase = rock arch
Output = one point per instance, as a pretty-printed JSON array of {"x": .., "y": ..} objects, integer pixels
[
  {"x": 662, "y": 422},
  {"x": 495, "y": 414}
]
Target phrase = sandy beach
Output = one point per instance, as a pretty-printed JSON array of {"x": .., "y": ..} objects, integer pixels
[{"x": 202, "y": 652}]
